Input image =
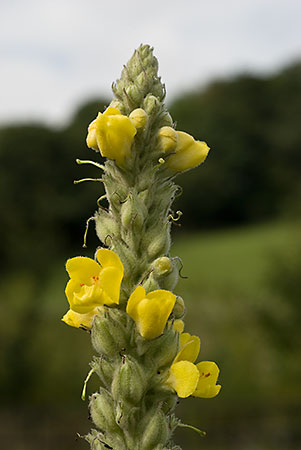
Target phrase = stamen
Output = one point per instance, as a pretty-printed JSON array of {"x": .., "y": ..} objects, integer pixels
[
  {"x": 86, "y": 231},
  {"x": 93, "y": 163},
  {"x": 87, "y": 179},
  {"x": 85, "y": 383},
  {"x": 175, "y": 219}
]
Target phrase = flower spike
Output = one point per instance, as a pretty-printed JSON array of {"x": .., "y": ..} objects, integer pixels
[
  {"x": 143, "y": 358},
  {"x": 91, "y": 285}
]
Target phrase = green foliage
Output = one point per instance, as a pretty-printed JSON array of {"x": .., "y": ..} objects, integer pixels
[
  {"x": 43, "y": 214},
  {"x": 251, "y": 125}
]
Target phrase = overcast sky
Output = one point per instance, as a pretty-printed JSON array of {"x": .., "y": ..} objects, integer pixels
[{"x": 56, "y": 54}]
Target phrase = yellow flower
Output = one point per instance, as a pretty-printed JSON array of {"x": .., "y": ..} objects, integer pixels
[
  {"x": 188, "y": 153},
  {"x": 91, "y": 285},
  {"x": 183, "y": 378},
  {"x": 207, "y": 387},
  {"x": 186, "y": 378},
  {"x": 150, "y": 311},
  {"x": 112, "y": 134}
]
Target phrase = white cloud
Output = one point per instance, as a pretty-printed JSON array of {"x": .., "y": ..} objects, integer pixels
[{"x": 54, "y": 53}]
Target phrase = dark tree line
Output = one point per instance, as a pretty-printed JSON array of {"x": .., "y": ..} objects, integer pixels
[{"x": 252, "y": 172}]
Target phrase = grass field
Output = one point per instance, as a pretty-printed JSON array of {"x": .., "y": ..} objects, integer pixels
[
  {"x": 229, "y": 298},
  {"x": 235, "y": 261}
]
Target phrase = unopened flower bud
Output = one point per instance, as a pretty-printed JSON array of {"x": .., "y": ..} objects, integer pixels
[
  {"x": 142, "y": 82},
  {"x": 118, "y": 88},
  {"x": 104, "y": 369},
  {"x": 107, "y": 337},
  {"x": 155, "y": 431},
  {"x": 150, "y": 104},
  {"x": 105, "y": 225},
  {"x": 165, "y": 271},
  {"x": 158, "y": 90},
  {"x": 158, "y": 243},
  {"x": 133, "y": 212},
  {"x": 143, "y": 195},
  {"x": 134, "y": 94},
  {"x": 164, "y": 349},
  {"x": 134, "y": 65},
  {"x": 129, "y": 381},
  {"x": 161, "y": 266},
  {"x": 167, "y": 139},
  {"x": 166, "y": 119},
  {"x": 179, "y": 308},
  {"x": 117, "y": 105},
  {"x": 138, "y": 118},
  {"x": 102, "y": 411}
]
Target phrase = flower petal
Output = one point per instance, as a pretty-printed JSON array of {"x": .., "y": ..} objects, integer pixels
[
  {"x": 114, "y": 134},
  {"x": 134, "y": 300},
  {"x": 183, "y": 378},
  {"x": 110, "y": 111},
  {"x": 88, "y": 298},
  {"x": 207, "y": 387},
  {"x": 149, "y": 323},
  {"x": 110, "y": 280},
  {"x": 79, "y": 320},
  {"x": 82, "y": 269},
  {"x": 184, "y": 338},
  {"x": 73, "y": 287},
  {"x": 108, "y": 258},
  {"x": 150, "y": 311},
  {"x": 154, "y": 312},
  {"x": 190, "y": 350},
  {"x": 188, "y": 154}
]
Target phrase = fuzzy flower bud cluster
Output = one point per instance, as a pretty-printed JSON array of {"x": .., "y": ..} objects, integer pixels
[{"x": 125, "y": 296}]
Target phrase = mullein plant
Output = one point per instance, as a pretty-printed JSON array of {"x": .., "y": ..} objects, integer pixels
[{"x": 124, "y": 297}]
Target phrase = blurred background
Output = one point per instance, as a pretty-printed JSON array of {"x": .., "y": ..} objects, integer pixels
[{"x": 233, "y": 76}]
